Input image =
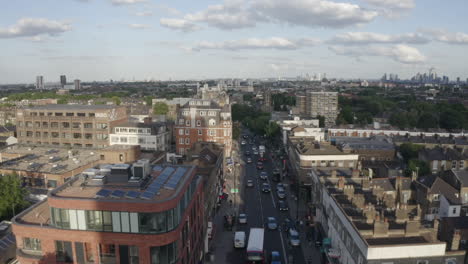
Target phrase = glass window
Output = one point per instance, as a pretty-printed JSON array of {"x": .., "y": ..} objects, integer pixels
[
  {"x": 94, "y": 220},
  {"x": 32, "y": 244},
  {"x": 133, "y": 254},
  {"x": 88, "y": 125},
  {"x": 107, "y": 253},
  {"x": 164, "y": 255},
  {"x": 63, "y": 251},
  {"x": 153, "y": 222},
  {"x": 51, "y": 184}
]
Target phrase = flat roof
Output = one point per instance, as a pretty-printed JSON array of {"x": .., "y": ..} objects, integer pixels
[
  {"x": 71, "y": 107},
  {"x": 41, "y": 159},
  {"x": 163, "y": 183},
  {"x": 402, "y": 240}
]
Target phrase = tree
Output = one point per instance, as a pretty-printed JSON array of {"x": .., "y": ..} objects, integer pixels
[
  {"x": 399, "y": 119},
  {"x": 116, "y": 100},
  {"x": 410, "y": 151},
  {"x": 272, "y": 130},
  {"x": 12, "y": 194},
  {"x": 148, "y": 100},
  {"x": 236, "y": 131},
  {"x": 347, "y": 115},
  {"x": 427, "y": 120},
  {"x": 160, "y": 108}
]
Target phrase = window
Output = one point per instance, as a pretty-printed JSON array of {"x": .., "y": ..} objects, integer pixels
[
  {"x": 54, "y": 125},
  {"x": 123, "y": 139},
  {"x": 181, "y": 121},
  {"x": 33, "y": 244},
  {"x": 38, "y": 134},
  {"x": 63, "y": 251},
  {"x": 101, "y": 136},
  {"x": 199, "y": 132},
  {"x": 107, "y": 253},
  {"x": 187, "y": 122},
  {"x": 211, "y": 113},
  {"x": 153, "y": 222},
  {"x": 198, "y": 122},
  {"x": 65, "y": 125},
  {"x": 45, "y": 124},
  {"x": 212, "y": 122},
  {"x": 165, "y": 254},
  {"x": 187, "y": 132},
  {"x": 187, "y": 141},
  {"x": 202, "y": 113},
  {"x": 454, "y": 210},
  {"x": 181, "y": 140},
  {"x": 89, "y": 136},
  {"x": 37, "y": 124},
  {"x": 133, "y": 254},
  {"x": 88, "y": 125},
  {"x": 76, "y": 135},
  {"x": 51, "y": 184},
  {"x": 451, "y": 261},
  {"x": 185, "y": 113},
  {"x": 101, "y": 126},
  {"x": 436, "y": 197},
  {"x": 422, "y": 262},
  {"x": 58, "y": 114},
  {"x": 76, "y": 125},
  {"x": 55, "y": 134}
]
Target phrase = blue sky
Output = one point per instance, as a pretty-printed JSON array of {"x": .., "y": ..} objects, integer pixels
[{"x": 154, "y": 39}]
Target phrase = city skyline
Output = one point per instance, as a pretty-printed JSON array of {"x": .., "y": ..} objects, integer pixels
[{"x": 143, "y": 39}]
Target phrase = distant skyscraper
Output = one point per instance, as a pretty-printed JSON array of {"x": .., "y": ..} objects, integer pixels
[
  {"x": 77, "y": 84},
  {"x": 40, "y": 82},
  {"x": 458, "y": 79},
  {"x": 63, "y": 80}
]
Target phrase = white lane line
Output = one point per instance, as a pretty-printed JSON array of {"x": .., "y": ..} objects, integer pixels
[
  {"x": 271, "y": 192},
  {"x": 282, "y": 245}
]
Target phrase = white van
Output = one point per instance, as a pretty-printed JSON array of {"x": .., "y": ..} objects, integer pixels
[
  {"x": 239, "y": 239},
  {"x": 294, "y": 239}
]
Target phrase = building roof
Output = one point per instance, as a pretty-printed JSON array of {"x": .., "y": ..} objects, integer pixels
[
  {"x": 462, "y": 176},
  {"x": 309, "y": 147},
  {"x": 382, "y": 183},
  {"x": 41, "y": 159},
  {"x": 163, "y": 183},
  {"x": 4, "y": 129},
  {"x": 439, "y": 153},
  {"x": 71, "y": 107},
  {"x": 460, "y": 222},
  {"x": 442, "y": 187}
]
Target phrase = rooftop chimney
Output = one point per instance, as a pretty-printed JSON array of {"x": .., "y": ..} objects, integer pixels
[{"x": 455, "y": 243}]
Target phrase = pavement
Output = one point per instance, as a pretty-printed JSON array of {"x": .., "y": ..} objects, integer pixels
[{"x": 258, "y": 206}]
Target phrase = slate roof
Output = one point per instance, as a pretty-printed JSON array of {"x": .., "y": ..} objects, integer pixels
[
  {"x": 442, "y": 187},
  {"x": 462, "y": 176},
  {"x": 383, "y": 183}
]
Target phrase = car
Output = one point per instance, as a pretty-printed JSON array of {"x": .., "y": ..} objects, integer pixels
[
  {"x": 260, "y": 165},
  {"x": 276, "y": 175},
  {"x": 245, "y": 136},
  {"x": 239, "y": 239},
  {"x": 266, "y": 187},
  {"x": 250, "y": 183},
  {"x": 271, "y": 223},
  {"x": 275, "y": 257},
  {"x": 247, "y": 153},
  {"x": 263, "y": 175},
  {"x": 283, "y": 206},
  {"x": 254, "y": 148},
  {"x": 280, "y": 186},
  {"x": 262, "y": 159},
  {"x": 242, "y": 219},
  {"x": 243, "y": 142},
  {"x": 255, "y": 152},
  {"x": 249, "y": 160},
  {"x": 281, "y": 193},
  {"x": 294, "y": 239}
]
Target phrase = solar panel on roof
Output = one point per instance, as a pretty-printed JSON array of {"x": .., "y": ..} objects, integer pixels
[
  {"x": 154, "y": 189},
  {"x": 117, "y": 194},
  {"x": 103, "y": 193},
  {"x": 175, "y": 178},
  {"x": 147, "y": 195},
  {"x": 132, "y": 194},
  {"x": 157, "y": 168}
]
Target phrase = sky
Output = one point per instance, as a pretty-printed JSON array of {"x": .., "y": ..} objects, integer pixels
[{"x": 100, "y": 40}]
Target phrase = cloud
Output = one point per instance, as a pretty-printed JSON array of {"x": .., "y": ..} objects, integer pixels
[
  {"x": 392, "y": 8},
  {"x": 32, "y": 27},
  {"x": 127, "y": 2},
  {"x": 83, "y": 58},
  {"x": 400, "y": 53},
  {"x": 458, "y": 38},
  {"x": 365, "y": 38},
  {"x": 178, "y": 24},
  {"x": 144, "y": 14},
  {"x": 227, "y": 16},
  {"x": 314, "y": 13},
  {"x": 256, "y": 43},
  {"x": 139, "y": 26},
  {"x": 169, "y": 10}
]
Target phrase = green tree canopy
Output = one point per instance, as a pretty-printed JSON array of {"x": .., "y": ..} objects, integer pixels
[
  {"x": 160, "y": 108},
  {"x": 12, "y": 196}
]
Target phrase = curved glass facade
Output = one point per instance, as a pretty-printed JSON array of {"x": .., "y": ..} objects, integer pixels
[{"x": 119, "y": 221}]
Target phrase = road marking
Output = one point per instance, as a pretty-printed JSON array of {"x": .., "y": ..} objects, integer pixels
[{"x": 282, "y": 245}]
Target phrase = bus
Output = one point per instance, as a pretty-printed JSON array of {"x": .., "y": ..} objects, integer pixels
[{"x": 255, "y": 253}]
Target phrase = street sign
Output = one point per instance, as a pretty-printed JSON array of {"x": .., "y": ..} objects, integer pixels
[{"x": 234, "y": 190}]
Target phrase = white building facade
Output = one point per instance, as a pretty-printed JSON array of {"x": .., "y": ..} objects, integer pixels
[{"x": 148, "y": 137}]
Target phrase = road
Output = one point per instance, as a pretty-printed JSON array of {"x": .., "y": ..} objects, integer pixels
[{"x": 258, "y": 206}]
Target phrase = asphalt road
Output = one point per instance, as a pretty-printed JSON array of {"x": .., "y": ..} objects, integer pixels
[{"x": 258, "y": 206}]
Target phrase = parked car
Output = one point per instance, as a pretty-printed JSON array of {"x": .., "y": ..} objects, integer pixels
[
  {"x": 283, "y": 206},
  {"x": 271, "y": 223},
  {"x": 255, "y": 152},
  {"x": 250, "y": 183},
  {"x": 263, "y": 175},
  {"x": 275, "y": 257},
  {"x": 294, "y": 239},
  {"x": 249, "y": 160},
  {"x": 259, "y": 165},
  {"x": 242, "y": 219},
  {"x": 266, "y": 188},
  {"x": 243, "y": 142},
  {"x": 247, "y": 153}
]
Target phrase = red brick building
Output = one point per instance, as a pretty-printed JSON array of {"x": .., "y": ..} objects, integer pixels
[
  {"x": 117, "y": 214},
  {"x": 203, "y": 121}
]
